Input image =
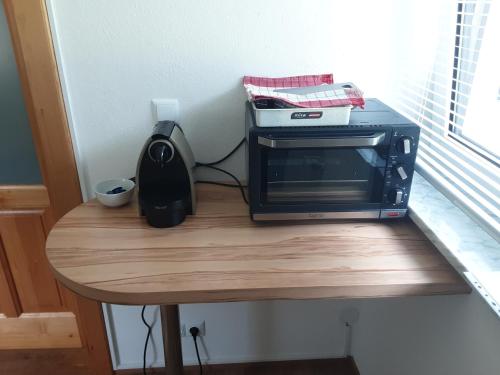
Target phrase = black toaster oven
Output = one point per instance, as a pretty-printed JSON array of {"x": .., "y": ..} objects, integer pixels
[{"x": 360, "y": 170}]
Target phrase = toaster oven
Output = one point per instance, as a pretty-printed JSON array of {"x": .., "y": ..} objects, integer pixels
[{"x": 358, "y": 171}]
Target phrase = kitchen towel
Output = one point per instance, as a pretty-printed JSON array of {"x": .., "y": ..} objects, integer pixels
[{"x": 318, "y": 91}]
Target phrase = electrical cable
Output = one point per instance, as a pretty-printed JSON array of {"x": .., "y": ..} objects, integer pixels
[
  {"x": 218, "y": 183},
  {"x": 195, "y": 332},
  {"x": 211, "y": 165},
  {"x": 225, "y": 157},
  {"x": 148, "y": 335},
  {"x": 198, "y": 355},
  {"x": 242, "y": 190}
]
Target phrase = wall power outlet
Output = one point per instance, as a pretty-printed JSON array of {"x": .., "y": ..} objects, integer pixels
[
  {"x": 166, "y": 109},
  {"x": 185, "y": 326},
  {"x": 349, "y": 316}
]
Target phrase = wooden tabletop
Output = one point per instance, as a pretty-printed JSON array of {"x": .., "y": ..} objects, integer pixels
[{"x": 112, "y": 255}]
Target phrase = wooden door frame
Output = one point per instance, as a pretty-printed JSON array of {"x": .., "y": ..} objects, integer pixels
[{"x": 34, "y": 52}]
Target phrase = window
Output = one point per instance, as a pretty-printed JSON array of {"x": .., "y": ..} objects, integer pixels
[
  {"x": 475, "y": 95},
  {"x": 454, "y": 96}
]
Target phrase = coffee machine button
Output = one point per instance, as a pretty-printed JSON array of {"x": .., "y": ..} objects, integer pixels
[{"x": 161, "y": 152}]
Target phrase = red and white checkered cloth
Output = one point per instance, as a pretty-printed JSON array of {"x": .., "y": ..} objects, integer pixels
[{"x": 266, "y": 88}]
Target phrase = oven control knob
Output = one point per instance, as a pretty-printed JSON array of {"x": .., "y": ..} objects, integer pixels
[
  {"x": 400, "y": 171},
  {"x": 396, "y": 196},
  {"x": 404, "y": 145}
]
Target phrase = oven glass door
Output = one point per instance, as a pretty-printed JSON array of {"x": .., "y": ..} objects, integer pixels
[{"x": 347, "y": 175}]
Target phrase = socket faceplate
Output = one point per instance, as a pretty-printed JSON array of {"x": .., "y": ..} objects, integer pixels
[
  {"x": 186, "y": 326},
  {"x": 166, "y": 109}
]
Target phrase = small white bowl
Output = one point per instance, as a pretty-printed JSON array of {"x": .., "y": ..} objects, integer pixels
[{"x": 114, "y": 200}]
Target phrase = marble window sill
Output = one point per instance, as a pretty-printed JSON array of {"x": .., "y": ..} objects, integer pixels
[{"x": 462, "y": 241}]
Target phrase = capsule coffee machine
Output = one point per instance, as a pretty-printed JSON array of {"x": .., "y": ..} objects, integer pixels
[{"x": 165, "y": 177}]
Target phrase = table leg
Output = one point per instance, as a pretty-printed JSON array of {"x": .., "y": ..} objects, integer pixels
[{"x": 171, "y": 339}]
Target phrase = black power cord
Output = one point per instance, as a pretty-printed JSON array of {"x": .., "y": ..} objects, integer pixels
[
  {"x": 194, "y": 331},
  {"x": 148, "y": 335},
  {"x": 239, "y": 185},
  {"x": 211, "y": 165},
  {"x": 225, "y": 157},
  {"x": 218, "y": 183}
]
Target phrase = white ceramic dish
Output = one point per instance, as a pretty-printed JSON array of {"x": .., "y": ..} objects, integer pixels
[{"x": 114, "y": 200}]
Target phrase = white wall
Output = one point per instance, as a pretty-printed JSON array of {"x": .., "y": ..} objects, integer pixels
[
  {"x": 116, "y": 55},
  {"x": 240, "y": 332},
  {"x": 119, "y": 54},
  {"x": 439, "y": 335}
]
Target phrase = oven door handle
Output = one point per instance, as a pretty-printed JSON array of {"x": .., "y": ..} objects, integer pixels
[{"x": 354, "y": 141}]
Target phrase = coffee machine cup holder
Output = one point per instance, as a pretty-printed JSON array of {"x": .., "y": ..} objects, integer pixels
[{"x": 163, "y": 212}]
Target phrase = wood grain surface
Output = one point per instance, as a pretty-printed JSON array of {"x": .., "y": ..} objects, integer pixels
[
  {"x": 9, "y": 300},
  {"x": 23, "y": 241},
  {"x": 45, "y": 362},
  {"x": 39, "y": 331},
  {"x": 31, "y": 313},
  {"x": 112, "y": 255},
  {"x": 23, "y": 197},
  {"x": 37, "y": 67}
]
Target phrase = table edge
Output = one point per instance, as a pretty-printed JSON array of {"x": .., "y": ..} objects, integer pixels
[{"x": 261, "y": 294}]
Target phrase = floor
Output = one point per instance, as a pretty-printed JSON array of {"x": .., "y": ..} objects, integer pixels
[
  {"x": 306, "y": 367},
  {"x": 73, "y": 362}
]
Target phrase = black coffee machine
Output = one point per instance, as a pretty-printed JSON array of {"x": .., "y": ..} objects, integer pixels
[{"x": 165, "y": 177}]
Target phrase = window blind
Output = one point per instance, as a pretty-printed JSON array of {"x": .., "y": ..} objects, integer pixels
[{"x": 444, "y": 103}]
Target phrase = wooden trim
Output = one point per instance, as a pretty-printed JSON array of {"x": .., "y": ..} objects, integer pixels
[
  {"x": 9, "y": 300},
  {"x": 96, "y": 340},
  {"x": 23, "y": 197},
  {"x": 23, "y": 239},
  {"x": 44, "y": 362},
  {"x": 21, "y": 212},
  {"x": 37, "y": 66},
  {"x": 32, "y": 43},
  {"x": 53, "y": 330},
  {"x": 338, "y": 366}
]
